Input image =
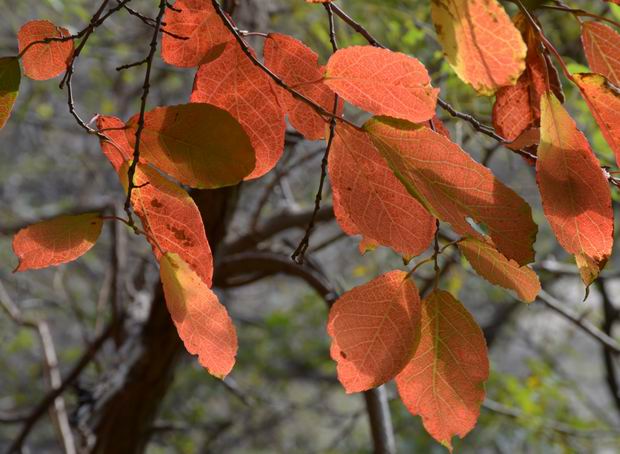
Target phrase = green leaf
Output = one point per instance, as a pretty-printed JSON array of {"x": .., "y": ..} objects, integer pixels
[{"x": 10, "y": 76}]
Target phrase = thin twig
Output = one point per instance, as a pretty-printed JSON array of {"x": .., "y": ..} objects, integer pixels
[
  {"x": 145, "y": 93},
  {"x": 608, "y": 342},
  {"x": 52, "y": 371},
  {"x": 298, "y": 254}
]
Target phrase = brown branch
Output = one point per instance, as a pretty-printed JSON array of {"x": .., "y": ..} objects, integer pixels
[
  {"x": 588, "y": 328},
  {"x": 275, "y": 225},
  {"x": 610, "y": 316}
]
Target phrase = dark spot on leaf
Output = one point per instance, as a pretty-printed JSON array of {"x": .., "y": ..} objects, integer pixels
[
  {"x": 156, "y": 203},
  {"x": 343, "y": 354}
]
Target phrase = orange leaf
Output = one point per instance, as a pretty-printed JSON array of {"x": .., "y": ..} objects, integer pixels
[
  {"x": 200, "y": 145},
  {"x": 497, "y": 269},
  {"x": 202, "y": 322},
  {"x": 117, "y": 148},
  {"x": 171, "y": 219},
  {"x": 602, "y": 46},
  {"x": 382, "y": 82},
  {"x": 604, "y": 101},
  {"x": 481, "y": 43},
  {"x": 517, "y": 107},
  {"x": 454, "y": 187},
  {"x": 575, "y": 195},
  {"x": 10, "y": 76},
  {"x": 249, "y": 95},
  {"x": 369, "y": 199},
  {"x": 298, "y": 66},
  {"x": 443, "y": 383},
  {"x": 205, "y": 32},
  {"x": 44, "y": 60},
  {"x": 59, "y": 240},
  {"x": 374, "y": 330}
]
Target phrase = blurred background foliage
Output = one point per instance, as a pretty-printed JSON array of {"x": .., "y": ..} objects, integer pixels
[{"x": 548, "y": 392}]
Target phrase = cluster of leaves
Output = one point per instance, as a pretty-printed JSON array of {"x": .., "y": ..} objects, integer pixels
[{"x": 394, "y": 179}]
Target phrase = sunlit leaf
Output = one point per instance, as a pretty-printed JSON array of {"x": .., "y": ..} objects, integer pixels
[
  {"x": 55, "y": 241},
  {"x": 44, "y": 61}
]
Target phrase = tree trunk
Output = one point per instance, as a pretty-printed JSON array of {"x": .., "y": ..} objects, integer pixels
[{"x": 124, "y": 413}]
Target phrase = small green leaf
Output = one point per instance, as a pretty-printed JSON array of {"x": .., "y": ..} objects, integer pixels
[{"x": 10, "y": 76}]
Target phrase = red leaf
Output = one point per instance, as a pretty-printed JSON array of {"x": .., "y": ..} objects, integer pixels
[
  {"x": 171, "y": 219},
  {"x": 604, "y": 101},
  {"x": 602, "y": 46},
  {"x": 59, "y": 240},
  {"x": 481, "y": 43},
  {"x": 497, "y": 269},
  {"x": 205, "y": 32},
  {"x": 249, "y": 95},
  {"x": 369, "y": 199},
  {"x": 117, "y": 148},
  {"x": 374, "y": 330},
  {"x": 298, "y": 66},
  {"x": 454, "y": 187},
  {"x": 575, "y": 195},
  {"x": 202, "y": 322},
  {"x": 200, "y": 145},
  {"x": 44, "y": 60},
  {"x": 10, "y": 76},
  {"x": 382, "y": 82},
  {"x": 443, "y": 383}
]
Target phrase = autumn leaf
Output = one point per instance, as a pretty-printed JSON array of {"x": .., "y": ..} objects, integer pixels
[
  {"x": 517, "y": 107},
  {"x": 44, "y": 61},
  {"x": 55, "y": 241},
  {"x": 443, "y": 383},
  {"x": 201, "y": 320},
  {"x": 382, "y": 82},
  {"x": 249, "y": 95},
  {"x": 10, "y": 76},
  {"x": 204, "y": 33},
  {"x": 374, "y": 329},
  {"x": 171, "y": 219},
  {"x": 116, "y": 148},
  {"x": 454, "y": 187},
  {"x": 601, "y": 44},
  {"x": 480, "y": 42},
  {"x": 369, "y": 199},
  {"x": 575, "y": 195},
  {"x": 199, "y": 144},
  {"x": 603, "y": 99},
  {"x": 298, "y": 66},
  {"x": 491, "y": 264}
]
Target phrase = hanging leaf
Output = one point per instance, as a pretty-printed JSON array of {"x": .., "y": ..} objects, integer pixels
[
  {"x": 44, "y": 61},
  {"x": 117, "y": 148},
  {"x": 480, "y": 42},
  {"x": 454, "y": 187},
  {"x": 491, "y": 264},
  {"x": 200, "y": 145},
  {"x": 382, "y": 82},
  {"x": 369, "y": 199},
  {"x": 374, "y": 330},
  {"x": 604, "y": 102},
  {"x": 575, "y": 195},
  {"x": 59, "y": 240},
  {"x": 443, "y": 383},
  {"x": 298, "y": 66},
  {"x": 602, "y": 46},
  {"x": 171, "y": 219},
  {"x": 249, "y": 95},
  {"x": 517, "y": 107},
  {"x": 10, "y": 76},
  {"x": 204, "y": 33},
  {"x": 202, "y": 322}
]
